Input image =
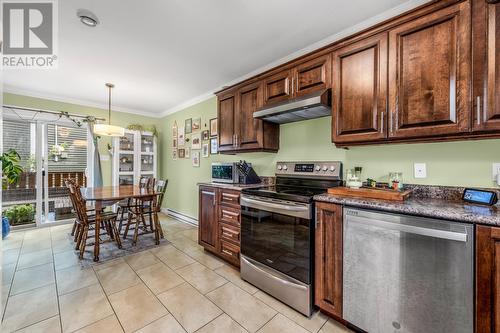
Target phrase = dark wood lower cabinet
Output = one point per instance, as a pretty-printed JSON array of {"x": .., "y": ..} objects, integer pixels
[
  {"x": 328, "y": 259},
  {"x": 487, "y": 279},
  {"x": 219, "y": 223}
]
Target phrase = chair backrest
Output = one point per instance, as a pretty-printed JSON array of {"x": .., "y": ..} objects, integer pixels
[
  {"x": 161, "y": 186},
  {"x": 144, "y": 182},
  {"x": 78, "y": 201}
]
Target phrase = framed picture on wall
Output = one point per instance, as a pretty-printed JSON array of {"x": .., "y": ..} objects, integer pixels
[
  {"x": 195, "y": 159},
  {"x": 174, "y": 130},
  {"x": 196, "y": 124},
  {"x": 181, "y": 153},
  {"x": 205, "y": 150},
  {"x": 174, "y": 154},
  {"x": 174, "y": 142},
  {"x": 196, "y": 141},
  {"x": 188, "y": 126},
  {"x": 187, "y": 152},
  {"x": 205, "y": 135},
  {"x": 181, "y": 139},
  {"x": 214, "y": 130},
  {"x": 213, "y": 145}
]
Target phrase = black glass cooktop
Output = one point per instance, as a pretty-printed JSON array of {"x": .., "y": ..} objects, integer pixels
[{"x": 292, "y": 189}]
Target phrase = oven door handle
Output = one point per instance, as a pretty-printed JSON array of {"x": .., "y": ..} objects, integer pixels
[{"x": 303, "y": 211}]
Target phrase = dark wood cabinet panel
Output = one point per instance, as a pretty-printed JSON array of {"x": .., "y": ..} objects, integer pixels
[
  {"x": 249, "y": 133},
  {"x": 207, "y": 221},
  {"x": 219, "y": 222},
  {"x": 487, "y": 279},
  {"x": 429, "y": 74},
  {"x": 226, "y": 115},
  {"x": 360, "y": 91},
  {"x": 328, "y": 258},
  {"x": 311, "y": 76},
  {"x": 277, "y": 88},
  {"x": 486, "y": 60}
]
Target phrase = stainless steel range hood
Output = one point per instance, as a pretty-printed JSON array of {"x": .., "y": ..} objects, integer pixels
[{"x": 311, "y": 106}]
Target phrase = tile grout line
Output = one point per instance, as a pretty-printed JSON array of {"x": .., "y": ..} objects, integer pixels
[
  {"x": 55, "y": 280},
  {"x": 4, "y": 310}
]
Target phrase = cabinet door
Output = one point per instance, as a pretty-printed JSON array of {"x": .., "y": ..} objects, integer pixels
[
  {"x": 486, "y": 39},
  {"x": 312, "y": 76},
  {"x": 249, "y": 130},
  {"x": 208, "y": 224},
  {"x": 328, "y": 258},
  {"x": 226, "y": 117},
  {"x": 277, "y": 88},
  {"x": 360, "y": 91},
  {"x": 429, "y": 74},
  {"x": 487, "y": 279}
]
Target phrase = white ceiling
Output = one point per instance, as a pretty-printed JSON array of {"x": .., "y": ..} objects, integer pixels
[{"x": 164, "y": 54}]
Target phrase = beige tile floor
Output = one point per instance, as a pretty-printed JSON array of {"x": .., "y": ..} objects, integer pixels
[{"x": 175, "y": 288}]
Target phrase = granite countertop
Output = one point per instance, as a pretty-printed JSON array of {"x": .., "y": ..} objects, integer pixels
[
  {"x": 432, "y": 205},
  {"x": 266, "y": 181},
  {"x": 236, "y": 187}
]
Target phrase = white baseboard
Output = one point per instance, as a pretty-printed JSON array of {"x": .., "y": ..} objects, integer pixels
[{"x": 180, "y": 216}]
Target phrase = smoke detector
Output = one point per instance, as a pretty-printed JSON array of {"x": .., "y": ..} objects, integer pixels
[{"x": 87, "y": 17}]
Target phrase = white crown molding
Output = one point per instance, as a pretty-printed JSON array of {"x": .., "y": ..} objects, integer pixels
[
  {"x": 19, "y": 91},
  {"x": 317, "y": 45}
]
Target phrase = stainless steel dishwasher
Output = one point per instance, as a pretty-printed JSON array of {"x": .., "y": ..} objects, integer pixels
[{"x": 407, "y": 274}]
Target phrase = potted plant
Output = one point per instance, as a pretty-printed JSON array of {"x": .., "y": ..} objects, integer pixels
[{"x": 11, "y": 174}]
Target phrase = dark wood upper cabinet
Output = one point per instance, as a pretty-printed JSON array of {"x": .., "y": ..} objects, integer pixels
[
  {"x": 311, "y": 76},
  {"x": 208, "y": 222},
  {"x": 487, "y": 279},
  {"x": 249, "y": 130},
  {"x": 429, "y": 74},
  {"x": 486, "y": 61},
  {"x": 278, "y": 87},
  {"x": 226, "y": 115},
  {"x": 239, "y": 131},
  {"x": 360, "y": 91},
  {"x": 328, "y": 259}
]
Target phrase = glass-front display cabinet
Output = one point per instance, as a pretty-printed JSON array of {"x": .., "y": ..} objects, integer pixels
[{"x": 134, "y": 155}]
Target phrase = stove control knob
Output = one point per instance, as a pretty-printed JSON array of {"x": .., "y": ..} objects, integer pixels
[
  {"x": 280, "y": 167},
  {"x": 285, "y": 167},
  {"x": 318, "y": 168},
  {"x": 332, "y": 168},
  {"x": 325, "y": 168}
]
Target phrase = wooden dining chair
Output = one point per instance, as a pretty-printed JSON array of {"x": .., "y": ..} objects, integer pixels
[
  {"x": 90, "y": 210},
  {"x": 145, "y": 206},
  {"x": 87, "y": 222},
  {"x": 125, "y": 205}
]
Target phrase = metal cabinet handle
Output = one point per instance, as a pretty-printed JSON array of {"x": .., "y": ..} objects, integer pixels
[
  {"x": 293, "y": 79},
  {"x": 208, "y": 193},
  {"x": 381, "y": 122},
  {"x": 390, "y": 122},
  {"x": 229, "y": 197},
  {"x": 478, "y": 110},
  {"x": 226, "y": 212},
  {"x": 229, "y": 253}
]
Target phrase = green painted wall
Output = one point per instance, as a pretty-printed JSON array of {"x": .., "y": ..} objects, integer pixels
[
  {"x": 117, "y": 118},
  {"x": 464, "y": 163}
]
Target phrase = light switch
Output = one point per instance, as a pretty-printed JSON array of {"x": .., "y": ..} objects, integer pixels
[
  {"x": 420, "y": 170},
  {"x": 495, "y": 170}
]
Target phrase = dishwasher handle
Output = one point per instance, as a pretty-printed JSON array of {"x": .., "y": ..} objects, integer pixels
[{"x": 430, "y": 232}]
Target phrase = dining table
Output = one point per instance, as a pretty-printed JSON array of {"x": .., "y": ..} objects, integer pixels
[{"x": 106, "y": 196}]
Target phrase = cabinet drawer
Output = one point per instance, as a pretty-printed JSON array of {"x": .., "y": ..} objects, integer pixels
[
  {"x": 229, "y": 215},
  {"x": 228, "y": 197},
  {"x": 229, "y": 233},
  {"x": 230, "y": 252}
]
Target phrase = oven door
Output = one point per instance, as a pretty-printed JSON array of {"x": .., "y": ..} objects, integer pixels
[{"x": 278, "y": 234}]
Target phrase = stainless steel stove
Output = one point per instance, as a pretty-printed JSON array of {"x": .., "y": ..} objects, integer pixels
[{"x": 277, "y": 231}]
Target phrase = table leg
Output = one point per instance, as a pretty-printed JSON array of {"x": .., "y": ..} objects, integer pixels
[{"x": 98, "y": 208}]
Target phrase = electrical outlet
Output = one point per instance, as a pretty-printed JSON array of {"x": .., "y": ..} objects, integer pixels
[
  {"x": 495, "y": 170},
  {"x": 420, "y": 170}
]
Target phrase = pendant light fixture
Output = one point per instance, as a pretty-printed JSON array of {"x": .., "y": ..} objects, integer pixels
[{"x": 108, "y": 129}]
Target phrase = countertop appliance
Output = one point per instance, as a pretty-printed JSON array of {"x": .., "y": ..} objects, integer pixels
[
  {"x": 232, "y": 173},
  {"x": 407, "y": 274},
  {"x": 277, "y": 231},
  {"x": 314, "y": 105}
]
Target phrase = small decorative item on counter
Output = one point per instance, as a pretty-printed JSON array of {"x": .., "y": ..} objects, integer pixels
[
  {"x": 353, "y": 178},
  {"x": 396, "y": 180},
  {"x": 371, "y": 182}
]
